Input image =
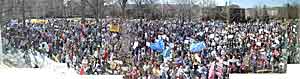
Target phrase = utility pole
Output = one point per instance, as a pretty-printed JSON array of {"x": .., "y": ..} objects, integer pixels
[
  {"x": 163, "y": 9},
  {"x": 228, "y": 12},
  {"x": 63, "y": 5},
  {"x": 190, "y": 10},
  {"x": 97, "y": 9},
  {"x": 102, "y": 8},
  {"x": 23, "y": 12}
]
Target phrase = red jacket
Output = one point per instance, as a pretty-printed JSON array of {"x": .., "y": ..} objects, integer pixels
[
  {"x": 81, "y": 71},
  {"x": 105, "y": 56}
]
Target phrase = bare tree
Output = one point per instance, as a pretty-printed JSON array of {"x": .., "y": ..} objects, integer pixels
[
  {"x": 182, "y": 9},
  {"x": 82, "y": 7},
  {"x": 265, "y": 13},
  {"x": 205, "y": 6},
  {"x": 122, "y": 4},
  {"x": 256, "y": 11},
  {"x": 292, "y": 10},
  {"x": 190, "y": 5},
  {"x": 95, "y": 6},
  {"x": 1, "y": 11},
  {"x": 165, "y": 10},
  {"x": 145, "y": 6},
  {"x": 185, "y": 8},
  {"x": 228, "y": 3},
  {"x": 23, "y": 12},
  {"x": 261, "y": 12}
]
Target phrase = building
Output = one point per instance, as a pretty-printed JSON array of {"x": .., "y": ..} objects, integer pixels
[
  {"x": 272, "y": 12},
  {"x": 235, "y": 12},
  {"x": 250, "y": 12}
]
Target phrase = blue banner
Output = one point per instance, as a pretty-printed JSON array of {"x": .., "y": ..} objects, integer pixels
[
  {"x": 158, "y": 46},
  {"x": 197, "y": 47}
]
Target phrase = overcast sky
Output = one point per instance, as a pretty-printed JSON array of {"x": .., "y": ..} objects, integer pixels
[
  {"x": 242, "y": 3},
  {"x": 272, "y": 3}
]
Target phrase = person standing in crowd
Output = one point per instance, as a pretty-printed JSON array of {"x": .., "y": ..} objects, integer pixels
[{"x": 157, "y": 48}]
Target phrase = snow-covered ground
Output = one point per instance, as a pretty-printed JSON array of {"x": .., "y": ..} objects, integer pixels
[
  {"x": 48, "y": 70},
  {"x": 291, "y": 73},
  {"x": 53, "y": 71}
]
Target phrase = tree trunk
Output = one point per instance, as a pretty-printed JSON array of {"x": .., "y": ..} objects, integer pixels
[
  {"x": 23, "y": 12},
  {"x": 1, "y": 13},
  {"x": 82, "y": 4}
]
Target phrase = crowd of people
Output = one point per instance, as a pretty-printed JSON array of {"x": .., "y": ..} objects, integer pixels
[{"x": 152, "y": 49}]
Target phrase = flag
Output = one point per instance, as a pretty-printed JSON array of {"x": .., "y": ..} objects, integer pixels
[
  {"x": 167, "y": 53},
  {"x": 111, "y": 56},
  {"x": 81, "y": 36},
  {"x": 220, "y": 70},
  {"x": 136, "y": 43},
  {"x": 276, "y": 53},
  {"x": 196, "y": 47},
  {"x": 37, "y": 28},
  {"x": 211, "y": 74},
  {"x": 196, "y": 56},
  {"x": 63, "y": 36},
  {"x": 158, "y": 46},
  {"x": 13, "y": 22},
  {"x": 114, "y": 27},
  {"x": 179, "y": 61}
]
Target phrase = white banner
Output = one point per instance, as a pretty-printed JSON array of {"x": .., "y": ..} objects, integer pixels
[{"x": 291, "y": 73}]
